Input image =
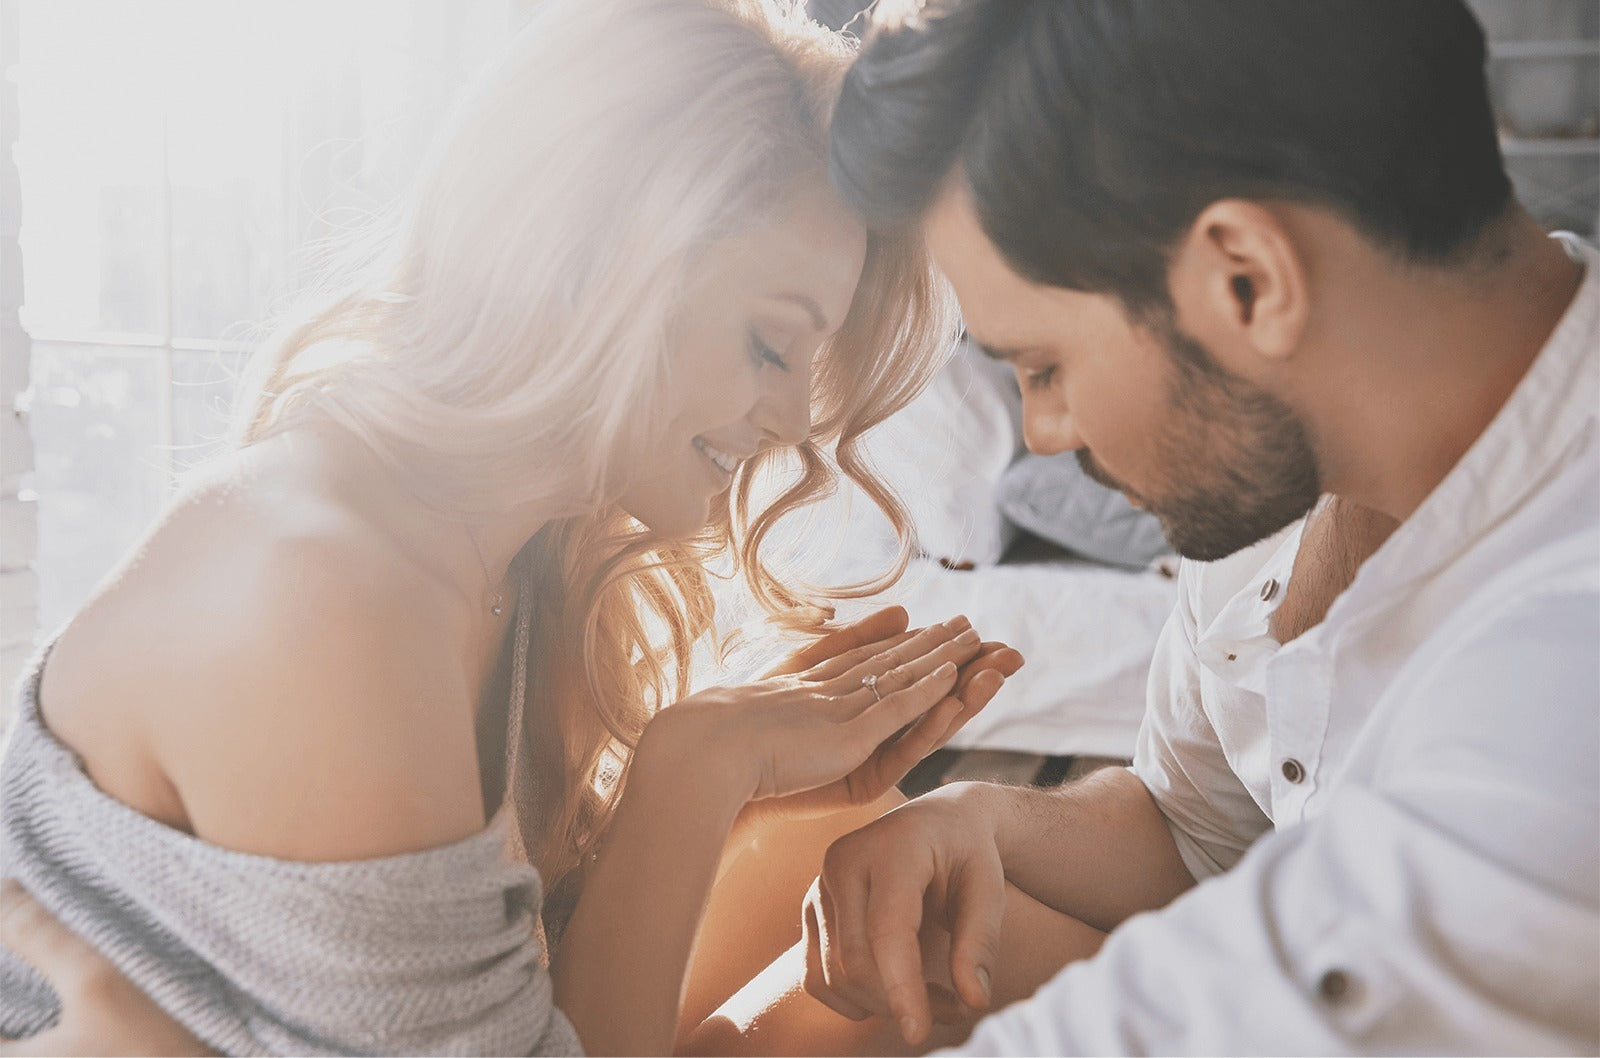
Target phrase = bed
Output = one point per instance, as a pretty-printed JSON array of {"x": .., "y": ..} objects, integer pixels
[{"x": 1026, "y": 546}]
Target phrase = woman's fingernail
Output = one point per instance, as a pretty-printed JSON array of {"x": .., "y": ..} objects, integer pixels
[
  {"x": 968, "y": 638},
  {"x": 958, "y": 622},
  {"x": 908, "y": 1028},
  {"x": 983, "y": 982},
  {"x": 947, "y": 669}
]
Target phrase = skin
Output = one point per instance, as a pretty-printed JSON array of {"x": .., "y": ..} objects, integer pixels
[
  {"x": 1389, "y": 370},
  {"x": 384, "y": 606},
  {"x": 1392, "y": 370},
  {"x": 759, "y": 307}
]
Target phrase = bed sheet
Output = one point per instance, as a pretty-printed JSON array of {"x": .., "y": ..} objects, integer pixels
[{"x": 1088, "y": 633}]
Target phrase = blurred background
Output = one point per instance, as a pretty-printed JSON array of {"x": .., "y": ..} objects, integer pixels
[{"x": 165, "y": 165}]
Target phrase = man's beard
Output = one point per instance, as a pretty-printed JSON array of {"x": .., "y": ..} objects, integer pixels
[{"x": 1244, "y": 463}]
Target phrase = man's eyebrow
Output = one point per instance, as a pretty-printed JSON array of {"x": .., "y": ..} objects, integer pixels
[
  {"x": 819, "y": 319},
  {"x": 996, "y": 352}
]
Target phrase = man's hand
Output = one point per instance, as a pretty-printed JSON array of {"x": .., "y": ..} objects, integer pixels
[{"x": 931, "y": 864}]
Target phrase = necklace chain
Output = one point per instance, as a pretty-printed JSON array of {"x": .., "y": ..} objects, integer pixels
[{"x": 497, "y": 604}]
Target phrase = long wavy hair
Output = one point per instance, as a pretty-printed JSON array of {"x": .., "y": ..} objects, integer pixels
[{"x": 505, "y": 338}]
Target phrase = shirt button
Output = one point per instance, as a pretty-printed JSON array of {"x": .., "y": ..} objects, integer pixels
[
  {"x": 1336, "y": 987},
  {"x": 1293, "y": 771},
  {"x": 1269, "y": 590}
]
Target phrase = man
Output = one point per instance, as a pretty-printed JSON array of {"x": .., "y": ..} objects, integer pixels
[{"x": 1242, "y": 253}]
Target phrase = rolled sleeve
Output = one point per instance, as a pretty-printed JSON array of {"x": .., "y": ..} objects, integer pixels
[
  {"x": 1180, "y": 759},
  {"x": 1444, "y": 901}
]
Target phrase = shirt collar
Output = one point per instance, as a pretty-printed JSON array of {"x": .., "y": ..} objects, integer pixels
[
  {"x": 1238, "y": 642},
  {"x": 1556, "y": 399}
]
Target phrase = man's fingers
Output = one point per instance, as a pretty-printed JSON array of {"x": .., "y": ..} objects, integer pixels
[
  {"x": 849, "y": 976},
  {"x": 818, "y": 953},
  {"x": 894, "y": 917},
  {"x": 975, "y": 904}
]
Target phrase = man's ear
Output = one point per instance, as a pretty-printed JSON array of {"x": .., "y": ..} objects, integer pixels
[{"x": 1238, "y": 284}]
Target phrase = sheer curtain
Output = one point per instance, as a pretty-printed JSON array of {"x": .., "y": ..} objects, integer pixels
[{"x": 175, "y": 157}]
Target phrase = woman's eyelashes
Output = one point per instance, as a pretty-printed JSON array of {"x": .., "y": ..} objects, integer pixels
[
  {"x": 1039, "y": 378},
  {"x": 765, "y": 354}
]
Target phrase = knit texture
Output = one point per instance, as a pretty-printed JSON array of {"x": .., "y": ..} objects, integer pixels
[{"x": 434, "y": 952}]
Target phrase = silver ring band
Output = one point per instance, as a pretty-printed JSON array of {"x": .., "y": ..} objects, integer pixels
[{"x": 870, "y": 682}]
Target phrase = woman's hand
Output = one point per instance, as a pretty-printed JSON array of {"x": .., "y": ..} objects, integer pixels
[
  {"x": 816, "y": 738},
  {"x": 102, "y": 1012},
  {"x": 845, "y": 649}
]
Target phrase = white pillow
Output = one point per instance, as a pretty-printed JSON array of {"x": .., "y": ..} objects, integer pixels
[{"x": 944, "y": 455}]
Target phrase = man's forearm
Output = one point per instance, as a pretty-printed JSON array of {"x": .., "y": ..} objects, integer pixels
[{"x": 1098, "y": 850}]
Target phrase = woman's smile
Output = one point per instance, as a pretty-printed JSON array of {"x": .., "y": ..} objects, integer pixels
[{"x": 723, "y": 461}]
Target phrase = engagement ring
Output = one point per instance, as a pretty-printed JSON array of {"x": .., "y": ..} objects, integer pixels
[{"x": 870, "y": 682}]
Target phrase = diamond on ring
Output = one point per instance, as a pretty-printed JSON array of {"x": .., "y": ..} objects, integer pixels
[{"x": 870, "y": 682}]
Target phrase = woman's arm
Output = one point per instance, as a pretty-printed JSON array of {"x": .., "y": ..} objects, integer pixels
[
  {"x": 104, "y": 1013},
  {"x": 775, "y": 1015},
  {"x": 620, "y": 970}
]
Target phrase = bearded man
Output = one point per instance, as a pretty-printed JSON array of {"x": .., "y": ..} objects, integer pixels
[{"x": 1253, "y": 259}]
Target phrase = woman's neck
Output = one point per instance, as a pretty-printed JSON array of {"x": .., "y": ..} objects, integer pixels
[{"x": 470, "y": 552}]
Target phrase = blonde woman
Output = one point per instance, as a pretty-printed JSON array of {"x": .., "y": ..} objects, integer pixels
[{"x": 436, "y": 600}]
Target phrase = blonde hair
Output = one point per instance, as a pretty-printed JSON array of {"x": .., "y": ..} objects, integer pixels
[{"x": 505, "y": 342}]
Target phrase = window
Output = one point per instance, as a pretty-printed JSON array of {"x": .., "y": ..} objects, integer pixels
[{"x": 175, "y": 158}]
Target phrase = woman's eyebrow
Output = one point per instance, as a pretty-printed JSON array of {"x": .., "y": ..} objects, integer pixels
[{"x": 819, "y": 319}]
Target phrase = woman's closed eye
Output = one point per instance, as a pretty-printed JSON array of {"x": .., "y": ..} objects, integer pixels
[{"x": 765, "y": 354}]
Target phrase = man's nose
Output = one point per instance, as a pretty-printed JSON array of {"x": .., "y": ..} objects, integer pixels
[{"x": 1049, "y": 430}]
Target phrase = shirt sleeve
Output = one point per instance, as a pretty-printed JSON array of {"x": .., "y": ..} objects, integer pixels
[
  {"x": 1446, "y": 905},
  {"x": 1179, "y": 757}
]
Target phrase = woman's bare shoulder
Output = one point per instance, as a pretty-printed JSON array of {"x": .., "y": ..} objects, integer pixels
[{"x": 288, "y": 671}]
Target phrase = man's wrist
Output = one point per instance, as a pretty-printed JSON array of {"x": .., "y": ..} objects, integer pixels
[{"x": 994, "y": 810}]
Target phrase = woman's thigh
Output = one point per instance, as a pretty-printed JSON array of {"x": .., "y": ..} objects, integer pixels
[
  {"x": 754, "y": 912},
  {"x": 746, "y": 990}
]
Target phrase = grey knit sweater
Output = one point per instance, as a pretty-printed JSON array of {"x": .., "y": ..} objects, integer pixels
[{"x": 432, "y": 952}]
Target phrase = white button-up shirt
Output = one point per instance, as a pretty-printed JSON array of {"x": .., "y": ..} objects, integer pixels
[{"x": 1395, "y": 817}]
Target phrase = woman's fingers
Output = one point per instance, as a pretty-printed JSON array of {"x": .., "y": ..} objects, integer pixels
[
  {"x": 1001, "y": 658},
  {"x": 903, "y": 752},
  {"x": 978, "y": 693},
  {"x": 871, "y": 629},
  {"x": 905, "y": 663},
  {"x": 837, "y": 666},
  {"x": 881, "y": 720}
]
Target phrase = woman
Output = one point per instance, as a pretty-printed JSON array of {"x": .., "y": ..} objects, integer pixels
[{"x": 437, "y": 597}]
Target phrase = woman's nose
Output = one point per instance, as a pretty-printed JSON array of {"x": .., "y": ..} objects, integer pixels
[{"x": 784, "y": 415}]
